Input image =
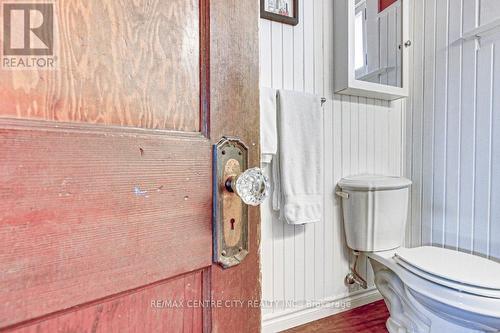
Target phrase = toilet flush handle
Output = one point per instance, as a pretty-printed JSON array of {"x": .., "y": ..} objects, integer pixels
[{"x": 343, "y": 195}]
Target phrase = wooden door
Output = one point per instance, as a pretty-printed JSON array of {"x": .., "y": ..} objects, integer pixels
[{"x": 105, "y": 172}]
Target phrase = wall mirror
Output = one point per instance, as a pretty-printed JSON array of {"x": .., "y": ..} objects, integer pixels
[{"x": 371, "y": 48}]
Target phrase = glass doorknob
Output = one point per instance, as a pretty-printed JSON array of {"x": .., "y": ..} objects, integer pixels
[{"x": 252, "y": 186}]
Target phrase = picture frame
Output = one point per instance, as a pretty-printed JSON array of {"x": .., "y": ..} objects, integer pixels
[{"x": 283, "y": 11}]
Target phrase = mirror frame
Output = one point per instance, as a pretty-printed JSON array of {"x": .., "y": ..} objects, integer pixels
[{"x": 345, "y": 76}]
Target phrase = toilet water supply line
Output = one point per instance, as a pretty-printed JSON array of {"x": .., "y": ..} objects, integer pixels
[{"x": 354, "y": 277}]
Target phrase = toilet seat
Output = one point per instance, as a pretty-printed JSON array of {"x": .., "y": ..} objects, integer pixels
[
  {"x": 448, "y": 304},
  {"x": 457, "y": 270}
]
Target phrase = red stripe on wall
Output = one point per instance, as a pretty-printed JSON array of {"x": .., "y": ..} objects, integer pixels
[{"x": 383, "y": 4}]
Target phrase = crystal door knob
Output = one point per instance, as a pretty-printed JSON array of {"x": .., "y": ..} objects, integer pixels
[{"x": 252, "y": 186}]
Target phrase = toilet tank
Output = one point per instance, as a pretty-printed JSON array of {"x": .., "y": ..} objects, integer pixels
[{"x": 375, "y": 211}]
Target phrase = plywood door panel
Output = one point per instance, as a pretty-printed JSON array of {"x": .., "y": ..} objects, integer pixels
[
  {"x": 88, "y": 211},
  {"x": 105, "y": 179},
  {"x": 129, "y": 63},
  {"x": 167, "y": 306},
  {"x": 85, "y": 214}
]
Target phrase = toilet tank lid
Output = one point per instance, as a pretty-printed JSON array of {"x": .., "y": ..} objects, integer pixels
[{"x": 367, "y": 182}]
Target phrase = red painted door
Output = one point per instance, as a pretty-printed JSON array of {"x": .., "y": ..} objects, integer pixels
[
  {"x": 383, "y": 4},
  {"x": 105, "y": 174}
]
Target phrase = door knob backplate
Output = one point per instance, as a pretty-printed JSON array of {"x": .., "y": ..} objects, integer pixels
[{"x": 230, "y": 214}]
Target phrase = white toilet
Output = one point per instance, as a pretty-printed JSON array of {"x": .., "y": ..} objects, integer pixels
[{"x": 427, "y": 289}]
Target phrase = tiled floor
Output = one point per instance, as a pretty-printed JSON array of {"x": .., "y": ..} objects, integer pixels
[{"x": 369, "y": 318}]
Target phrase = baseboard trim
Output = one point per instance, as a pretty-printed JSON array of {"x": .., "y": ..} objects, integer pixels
[{"x": 278, "y": 322}]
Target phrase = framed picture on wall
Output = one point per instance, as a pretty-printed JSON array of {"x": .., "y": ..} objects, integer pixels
[{"x": 284, "y": 11}]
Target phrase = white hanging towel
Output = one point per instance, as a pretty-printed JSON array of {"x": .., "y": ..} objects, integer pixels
[
  {"x": 298, "y": 165},
  {"x": 268, "y": 130}
]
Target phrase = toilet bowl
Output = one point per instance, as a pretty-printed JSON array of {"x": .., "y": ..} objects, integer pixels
[
  {"x": 421, "y": 301},
  {"x": 426, "y": 289}
]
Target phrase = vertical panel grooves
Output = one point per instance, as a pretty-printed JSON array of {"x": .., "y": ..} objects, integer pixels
[
  {"x": 478, "y": 12},
  {"x": 473, "y": 189},
  {"x": 325, "y": 147},
  {"x": 426, "y": 77},
  {"x": 463, "y": 127},
  {"x": 431, "y": 194},
  {"x": 314, "y": 64},
  {"x": 443, "y": 236},
  {"x": 460, "y": 108},
  {"x": 421, "y": 180},
  {"x": 361, "y": 135},
  {"x": 490, "y": 142}
]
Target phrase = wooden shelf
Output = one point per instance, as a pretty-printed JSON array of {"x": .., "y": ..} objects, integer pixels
[{"x": 485, "y": 29}]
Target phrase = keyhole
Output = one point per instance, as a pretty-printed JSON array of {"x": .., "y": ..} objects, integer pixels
[{"x": 232, "y": 223}]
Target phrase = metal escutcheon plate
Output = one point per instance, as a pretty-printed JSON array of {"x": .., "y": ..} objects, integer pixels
[{"x": 230, "y": 215}]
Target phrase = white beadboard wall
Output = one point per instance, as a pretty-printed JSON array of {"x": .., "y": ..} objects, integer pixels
[
  {"x": 309, "y": 263},
  {"x": 453, "y": 126}
]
